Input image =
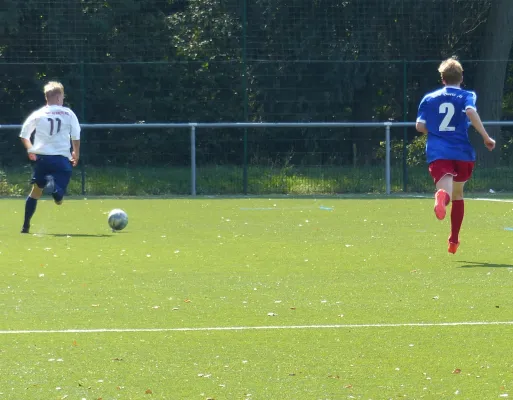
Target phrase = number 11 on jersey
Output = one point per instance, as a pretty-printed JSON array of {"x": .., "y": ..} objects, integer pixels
[{"x": 58, "y": 125}]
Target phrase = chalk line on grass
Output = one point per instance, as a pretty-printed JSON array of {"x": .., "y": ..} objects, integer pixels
[{"x": 253, "y": 328}]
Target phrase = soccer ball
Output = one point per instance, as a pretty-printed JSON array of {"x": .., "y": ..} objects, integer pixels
[{"x": 118, "y": 219}]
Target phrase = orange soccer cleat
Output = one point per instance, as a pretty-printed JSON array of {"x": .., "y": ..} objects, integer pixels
[
  {"x": 453, "y": 247},
  {"x": 441, "y": 200}
]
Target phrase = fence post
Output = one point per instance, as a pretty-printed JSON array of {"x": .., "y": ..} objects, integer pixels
[
  {"x": 387, "y": 157},
  {"x": 83, "y": 117},
  {"x": 193, "y": 159},
  {"x": 245, "y": 94},
  {"x": 245, "y": 163},
  {"x": 405, "y": 129}
]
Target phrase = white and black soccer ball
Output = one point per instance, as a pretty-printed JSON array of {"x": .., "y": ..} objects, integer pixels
[{"x": 118, "y": 219}]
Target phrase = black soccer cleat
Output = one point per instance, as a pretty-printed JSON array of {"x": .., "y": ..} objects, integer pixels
[{"x": 25, "y": 229}]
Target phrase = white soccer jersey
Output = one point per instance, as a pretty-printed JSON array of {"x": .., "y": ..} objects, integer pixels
[{"x": 54, "y": 126}]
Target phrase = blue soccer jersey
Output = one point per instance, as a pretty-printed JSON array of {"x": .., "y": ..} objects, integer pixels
[{"x": 443, "y": 112}]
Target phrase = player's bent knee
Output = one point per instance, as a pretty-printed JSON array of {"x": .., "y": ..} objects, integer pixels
[
  {"x": 36, "y": 192},
  {"x": 457, "y": 195},
  {"x": 457, "y": 191}
]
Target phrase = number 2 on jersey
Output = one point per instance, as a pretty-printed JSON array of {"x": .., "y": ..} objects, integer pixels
[
  {"x": 448, "y": 110},
  {"x": 52, "y": 125}
]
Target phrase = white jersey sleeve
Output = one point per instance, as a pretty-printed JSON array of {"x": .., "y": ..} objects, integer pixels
[
  {"x": 29, "y": 126},
  {"x": 75, "y": 126},
  {"x": 54, "y": 128}
]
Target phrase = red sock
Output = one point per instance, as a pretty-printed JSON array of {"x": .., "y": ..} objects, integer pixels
[{"x": 457, "y": 213}]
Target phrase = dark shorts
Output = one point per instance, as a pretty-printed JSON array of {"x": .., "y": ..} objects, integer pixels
[
  {"x": 460, "y": 170},
  {"x": 57, "y": 166}
]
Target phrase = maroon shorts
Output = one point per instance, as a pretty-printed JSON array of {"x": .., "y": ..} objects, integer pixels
[{"x": 461, "y": 170}]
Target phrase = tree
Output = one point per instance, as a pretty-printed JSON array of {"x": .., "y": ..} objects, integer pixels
[
  {"x": 491, "y": 73},
  {"x": 187, "y": 60}
]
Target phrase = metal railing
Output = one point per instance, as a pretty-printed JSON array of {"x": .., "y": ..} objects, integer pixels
[{"x": 193, "y": 126}]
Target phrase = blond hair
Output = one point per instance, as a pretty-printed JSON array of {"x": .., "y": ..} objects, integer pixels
[
  {"x": 52, "y": 89},
  {"x": 451, "y": 71}
]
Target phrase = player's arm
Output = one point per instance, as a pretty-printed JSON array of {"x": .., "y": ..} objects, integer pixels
[
  {"x": 75, "y": 139},
  {"x": 475, "y": 120},
  {"x": 26, "y": 143},
  {"x": 26, "y": 131},
  {"x": 420, "y": 124},
  {"x": 75, "y": 156},
  {"x": 421, "y": 127}
]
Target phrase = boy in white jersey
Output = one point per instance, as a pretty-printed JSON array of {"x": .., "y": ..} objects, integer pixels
[{"x": 54, "y": 126}]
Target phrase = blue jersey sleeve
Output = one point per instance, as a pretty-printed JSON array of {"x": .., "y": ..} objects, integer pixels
[
  {"x": 423, "y": 110},
  {"x": 470, "y": 100}
]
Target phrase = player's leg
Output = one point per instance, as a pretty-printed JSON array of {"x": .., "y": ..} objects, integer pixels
[
  {"x": 442, "y": 196},
  {"x": 446, "y": 184},
  {"x": 61, "y": 180},
  {"x": 39, "y": 181},
  {"x": 30, "y": 207},
  {"x": 464, "y": 172},
  {"x": 50, "y": 184},
  {"x": 442, "y": 172},
  {"x": 457, "y": 213},
  {"x": 61, "y": 184}
]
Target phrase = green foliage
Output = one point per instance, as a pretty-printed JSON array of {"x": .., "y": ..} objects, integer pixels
[
  {"x": 211, "y": 60},
  {"x": 9, "y": 189},
  {"x": 415, "y": 151}
]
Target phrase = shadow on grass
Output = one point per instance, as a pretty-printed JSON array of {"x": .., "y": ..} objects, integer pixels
[
  {"x": 75, "y": 235},
  {"x": 473, "y": 264}
]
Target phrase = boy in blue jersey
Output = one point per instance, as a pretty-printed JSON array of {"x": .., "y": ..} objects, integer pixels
[{"x": 445, "y": 115}]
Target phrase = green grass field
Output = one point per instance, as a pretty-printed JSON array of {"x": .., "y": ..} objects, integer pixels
[{"x": 255, "y": 299}]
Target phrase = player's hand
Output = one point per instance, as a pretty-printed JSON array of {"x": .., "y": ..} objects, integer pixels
[
  {"x": 74, "y": 159},
  {"x": 489, "y": 143},
  {"x": 32, "y": 157}
]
